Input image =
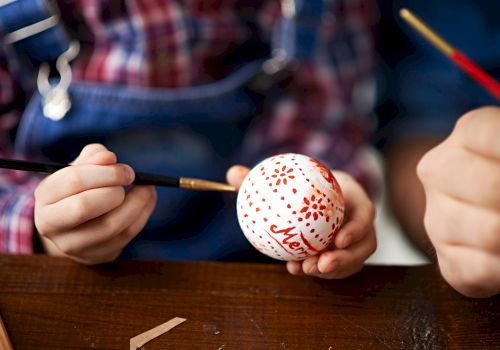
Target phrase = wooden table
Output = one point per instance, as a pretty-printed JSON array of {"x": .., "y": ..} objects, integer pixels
[{"x": 50, "y": 303}]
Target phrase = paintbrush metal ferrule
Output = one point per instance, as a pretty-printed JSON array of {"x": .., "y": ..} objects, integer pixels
[{"x": 204, "y": 185}]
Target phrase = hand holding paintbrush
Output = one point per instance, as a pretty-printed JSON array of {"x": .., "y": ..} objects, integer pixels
[
  {"x": 139, "y": 178},
  {"x": 83, "y": 211}
]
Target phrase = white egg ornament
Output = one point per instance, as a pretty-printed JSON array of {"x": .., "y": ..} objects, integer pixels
[{"x": 290, "y": 207}]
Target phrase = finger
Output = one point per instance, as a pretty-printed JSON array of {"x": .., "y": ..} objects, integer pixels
[
  {"x": 454, "y": 222},
  {"x": 104, "y": 228},
  {"x": 360, "y": 213},
  {"x": 354, "y": 231},
  {"x": 455, "y": 171},
  {"x": 341, "y": 263},
  {"x": 78, "y": 178},
  {"x": 294, "y": 268},
  {"x": 236, "y": 174},
  {"x": 310, "y": 266},
  {"x": 95, "y": 153},
  {"x": 141, "y": 221},
  {"x": 109, "y": 251},
  {"x": 78, "y": 209},
  {"x": 484, "y": 122},
  {"x": 472, "y": 272}
]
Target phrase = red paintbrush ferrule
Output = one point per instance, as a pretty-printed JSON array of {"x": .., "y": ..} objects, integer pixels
[{"x": 476, "y": 73}]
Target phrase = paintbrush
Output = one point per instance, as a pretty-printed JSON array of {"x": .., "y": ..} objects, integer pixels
[
  {"x": 140, "y": 178},
  {"x": 457, "y": 57}
]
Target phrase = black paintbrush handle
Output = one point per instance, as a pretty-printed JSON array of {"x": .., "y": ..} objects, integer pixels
[
  {"x": 140, "y": 178},
  {"x": 156, "y": 180}
]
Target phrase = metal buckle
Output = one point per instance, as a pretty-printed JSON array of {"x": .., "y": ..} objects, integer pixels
[
  {"x": 288, "y": 8},
  {"x": 280, "y": 58},
  {"x": 277, "y": 68},
  {"x": 34, "y": 28},
  {"x": 55, "y": 98}
]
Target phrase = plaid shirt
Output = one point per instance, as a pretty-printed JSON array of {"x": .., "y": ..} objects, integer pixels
[{"x": 176, "y": 44}]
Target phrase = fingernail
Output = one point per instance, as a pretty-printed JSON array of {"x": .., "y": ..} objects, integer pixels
[
  {"x": 242, "y": 169},
  {"x": 330, "y": 266},
  {"x": 129, "y": 173}
]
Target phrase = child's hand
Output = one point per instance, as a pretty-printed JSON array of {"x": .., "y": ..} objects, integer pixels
[
  {"x": 461, "y": 178},
  {"x": 83, "y": 212},
  {"x": 355, "y": 241}
]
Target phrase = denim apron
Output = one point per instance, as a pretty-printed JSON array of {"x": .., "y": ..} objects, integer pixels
[{"x": 190, "y": 132}]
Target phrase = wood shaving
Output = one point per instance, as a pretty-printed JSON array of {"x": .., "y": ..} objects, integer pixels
[{"x": 140, "y": 340}]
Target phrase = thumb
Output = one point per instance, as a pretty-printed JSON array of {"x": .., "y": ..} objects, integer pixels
[
  {"x": 95, "y": 153},
  {"x": 236, "y": 174}
]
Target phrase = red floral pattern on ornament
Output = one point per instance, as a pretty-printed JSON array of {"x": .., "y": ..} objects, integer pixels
[
  {"x": 314, "y": 207},
  {"x": 281, "y": 176}
]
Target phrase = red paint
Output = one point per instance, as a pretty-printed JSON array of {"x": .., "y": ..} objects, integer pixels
[
  {"x": 325, "y": 172},
  {"x": 285, "y": 232},
  {"x": 306, "y": 242},
  {"x": 278, "y": 243},
  {"x": 296, "y": 246}
]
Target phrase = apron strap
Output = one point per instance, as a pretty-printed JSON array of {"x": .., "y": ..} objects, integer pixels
[
  {"x": 32, "y": 33},
  {"x": 32, "y": 29}
]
